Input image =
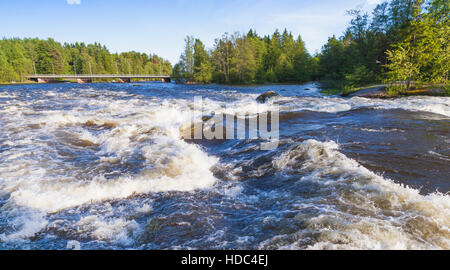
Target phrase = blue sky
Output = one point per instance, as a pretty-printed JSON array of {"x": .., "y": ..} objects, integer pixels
[{"x": 160, "y": 26}]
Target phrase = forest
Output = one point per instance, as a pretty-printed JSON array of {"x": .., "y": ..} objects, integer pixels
[
  {"x": 401, "y": 42},
  {"x": 240, "y": 59},
  {"x": 21, "y": 57}
]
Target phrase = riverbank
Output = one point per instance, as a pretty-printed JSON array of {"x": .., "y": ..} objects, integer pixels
[
  {"x": 31, "y": 82},
  {"x": 17, "y": 83},
  {"x": 383, "y": 91}
]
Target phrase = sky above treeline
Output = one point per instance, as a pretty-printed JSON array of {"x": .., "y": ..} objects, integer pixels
[{"x": 160, "y": 26}]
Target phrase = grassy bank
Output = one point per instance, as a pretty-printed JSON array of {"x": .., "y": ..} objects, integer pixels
[
  {"x": 16, "y": 83},
  {"x": 331, "y": 91},
  {"x": 424, "y": 89},
  {"x": 385, "y": 90}
]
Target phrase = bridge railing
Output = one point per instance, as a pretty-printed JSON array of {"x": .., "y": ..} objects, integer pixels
[{"x": 98, "y": 76}]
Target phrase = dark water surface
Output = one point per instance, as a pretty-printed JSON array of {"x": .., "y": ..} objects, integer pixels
[{"x": 105, "y": 165}]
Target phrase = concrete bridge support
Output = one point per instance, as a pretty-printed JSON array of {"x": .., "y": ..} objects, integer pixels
[
  {"x": 84, "y": 80},
  {"x": 124, "y": 80},
  {"x": 39, "y": 80}
]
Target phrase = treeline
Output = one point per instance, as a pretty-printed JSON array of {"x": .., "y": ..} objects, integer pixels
[
  {"x": 246, "y": 58},
  {"x": 402, "y": 41},
  {"x": 21, "y": 57}
]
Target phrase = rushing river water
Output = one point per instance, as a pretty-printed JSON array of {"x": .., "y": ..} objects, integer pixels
[{"x": 105, "y": 165}]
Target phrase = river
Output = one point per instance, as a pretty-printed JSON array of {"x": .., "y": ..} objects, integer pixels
[{"x": 104, "y": 166}]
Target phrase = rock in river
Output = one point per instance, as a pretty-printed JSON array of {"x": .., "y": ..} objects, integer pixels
[
  {"x": 263, "y": 98},
  {"x": 371, "y": 92}
]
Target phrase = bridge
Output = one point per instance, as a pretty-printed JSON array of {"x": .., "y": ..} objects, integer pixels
[{"x": 84, "y": 78}]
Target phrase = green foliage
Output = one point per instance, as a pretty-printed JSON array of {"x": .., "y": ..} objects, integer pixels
[
  {"x": 19, "y": 58},
  {"x": 333, "y": 61},
  {"x": 423, "y": 52},
  {"x": 402, "y": 42},
  {"x": 396, "y": 89},
  {"x": 348, "y": 89},
  {"x": 447, "y": 90},
  {"x": 331, "y": 91},
  {"x": 361, "y": 75},
  {"x": 202, "y": 64},
  {"x": 242, "y": 59},
  {"x": 401, "y": 67},
  {"x": 194, "y": 64},
  {"x": 177, "y": 72}
]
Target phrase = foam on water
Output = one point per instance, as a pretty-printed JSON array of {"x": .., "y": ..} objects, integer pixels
[
  {"x": 38, "y": 172},
  {"x": 74, "y": 153},
  {"x": 437, "y": 105},
  {"x": 360, "y": 209},
  {"x": 117, "y": 230}
]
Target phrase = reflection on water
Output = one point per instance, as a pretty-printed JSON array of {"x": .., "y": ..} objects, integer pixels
[{"x": 106, "y": 165}]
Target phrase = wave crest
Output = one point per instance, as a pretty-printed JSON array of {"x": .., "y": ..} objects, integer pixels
[{"x": 360, "y": 209}]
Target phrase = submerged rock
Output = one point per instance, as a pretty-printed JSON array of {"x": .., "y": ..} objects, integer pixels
[
  {"x": 263, "y": 98},
  {"x": 372, "y": 92}
]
